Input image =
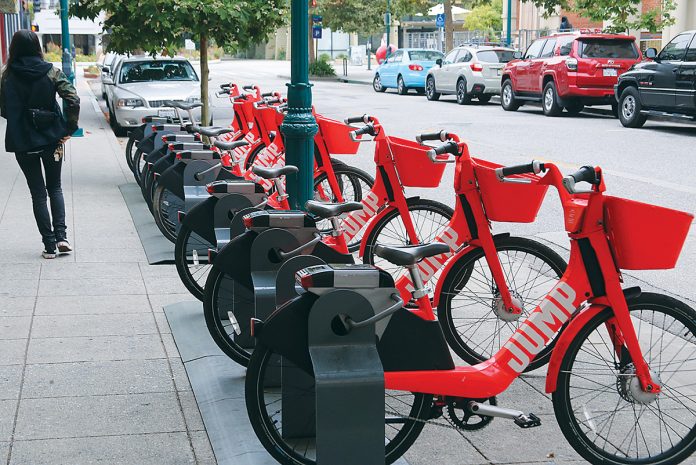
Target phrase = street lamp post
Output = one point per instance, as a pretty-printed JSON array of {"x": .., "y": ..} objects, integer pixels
[
  {"x": 299, "y": 125},
  {"x": 508, "y": 40},
  {"x": 387, "y": 21},
  {"x": 65, "y": 41}
]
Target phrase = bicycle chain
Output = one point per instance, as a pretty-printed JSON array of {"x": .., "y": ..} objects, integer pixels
[{"x": 427, "y": 422}]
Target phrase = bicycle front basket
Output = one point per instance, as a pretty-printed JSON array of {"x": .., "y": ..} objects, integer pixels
[
  {"x": 337, "y": 136},
  {"x": 644, "y": 236},
  {"x": 413, "y": 165}
]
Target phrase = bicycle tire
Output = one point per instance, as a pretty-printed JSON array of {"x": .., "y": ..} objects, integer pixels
[
  {"x": 166, "y": 216},
  {"x": 134, "y": 138},
  {"x": 385, "y": 233},
  {"x": 248, "y": 163},
  {"x": 280, "y": 448},
  {"x": 138, "y": 164},
  {"x": 191, "y": 273},
  {"x": 461, "y": 337},
  {"x": 218, "y": 303},
  {"x": 622, "y": 391}
]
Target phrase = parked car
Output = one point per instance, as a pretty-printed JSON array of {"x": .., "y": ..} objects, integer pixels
[
  {"x": 665, "y": 86},
  {"x": 569, "y": 70},
  {"x": 141, "y": 85},
  {"x": 405, "y": 69},
  {"x": 105, "y": 67},
  {"x": 468, "y": 72}
]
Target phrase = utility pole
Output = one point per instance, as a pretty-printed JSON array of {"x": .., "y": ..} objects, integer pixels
[
  {"x": 66, "y": 46},
  {"x": 299, "y": 125},
  {"x": 387, "y": 22},
  {"x": 508, "y": 39}
]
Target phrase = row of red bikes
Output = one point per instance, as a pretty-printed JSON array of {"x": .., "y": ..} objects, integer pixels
[{"x": 460, "y": 312}]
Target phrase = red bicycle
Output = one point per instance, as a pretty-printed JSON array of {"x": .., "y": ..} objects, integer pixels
[{"x": 621, "y": 374}]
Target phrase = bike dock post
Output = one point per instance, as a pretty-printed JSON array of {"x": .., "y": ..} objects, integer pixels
[{"x": 349, "y": 383}]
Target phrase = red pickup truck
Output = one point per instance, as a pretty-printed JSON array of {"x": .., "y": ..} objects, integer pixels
[{"x": 568, "y": 70}]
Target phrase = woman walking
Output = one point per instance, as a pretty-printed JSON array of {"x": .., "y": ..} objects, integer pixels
[{"x": 36, "y": 131}]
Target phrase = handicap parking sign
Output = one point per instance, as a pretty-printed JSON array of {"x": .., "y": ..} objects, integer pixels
[{"x": 440, "y": 20}]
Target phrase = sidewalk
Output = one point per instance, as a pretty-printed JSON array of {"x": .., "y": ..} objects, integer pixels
[{"x": 88, "y": 368}]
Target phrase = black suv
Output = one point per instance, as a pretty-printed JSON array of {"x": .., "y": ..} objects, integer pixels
[{"x": 665, "y": 86}]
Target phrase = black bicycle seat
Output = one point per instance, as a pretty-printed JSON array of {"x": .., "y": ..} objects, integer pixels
[
  {"x": 182, "y": 105},
  {"x": 211, "y": 131},
  {"x": 407, "y": 255},
  {"x": 273, "y": 173},
  {"x": 230, "y": 145},
  {"x": 331, "y": 210}
]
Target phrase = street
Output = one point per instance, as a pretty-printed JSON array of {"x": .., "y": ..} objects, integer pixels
[{"x": 654, "y": 164}]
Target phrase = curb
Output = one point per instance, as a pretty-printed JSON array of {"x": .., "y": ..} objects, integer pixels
[{"x": 330, "y": 79}]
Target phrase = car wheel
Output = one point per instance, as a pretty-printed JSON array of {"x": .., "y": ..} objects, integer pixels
[
  {"x": 484, "y": 98},
  {"x": 630, "y": 107},
  {"x": 507, "y": 97},
  {"x": 462, "y": 97},
  {"x": 377, "y": 84},
  {"x": 430, "y": 93},
  {"x": 401, "y": 86},
  {"x": 574, "y": 107},
  {"x": 118, "y": 130},
  {"x": 549, "y": 101}
]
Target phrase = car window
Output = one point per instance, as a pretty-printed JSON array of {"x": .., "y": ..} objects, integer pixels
[
  {"x": 451, "y": 56},
  {"x": 534, "y": 50},
  {"x": 495, "y": 56},
  {"x": 391, "y": 59},
  {"x": 424, "y": 55},
  {"x": 691, "y": 53},
  {"x": 607, "y": 48},
  {"x": 464, "y": 56},
  {"x": 566, "y": 45},
  {"x": 160, "y": 70},
  {"x": 674, "y": 51},
  {"x": 549, "y": 46},
  {"x": 398, "y": 56}
]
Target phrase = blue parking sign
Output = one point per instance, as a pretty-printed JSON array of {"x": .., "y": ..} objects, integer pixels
[
  {"x": 440, "y": 20},
  {"x": 316, "y": 32}
]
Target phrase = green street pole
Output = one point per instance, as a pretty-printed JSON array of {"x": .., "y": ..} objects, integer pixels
[
  {"x": 66, "y": 45},
  {"x": 508, "y": 40},
  {"x": 299, "y": 125},
  {"x": 387, "y": 20}
]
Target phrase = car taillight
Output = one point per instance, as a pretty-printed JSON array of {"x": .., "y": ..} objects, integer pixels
[
  {"x": 248, "y": 221},
  {"x": 476, "y": 67},
  {"x": 415, "y": 67},
  {"x": 571, "y": 64}
]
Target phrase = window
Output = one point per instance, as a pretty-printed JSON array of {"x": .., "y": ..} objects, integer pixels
[
  {"x": 607, "y": 48},
  {"x": 547, "y": 51},
  {"x": 464, "y": 56},
  {"x": 495, "y": 56},
  {"x": 691, "y": 53},
  {"x": 674, "y": 51},
  {"x": 451, "y": 56},
  {"x": 160, "y": 70},
  {"x": 534, "y": 50},
  {"x": 424, "y": 55},
  {"x": 398, "y": 56},
  {"x": 566, "y": 45}
]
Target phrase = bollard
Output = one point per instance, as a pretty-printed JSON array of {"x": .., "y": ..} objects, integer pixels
[
  {"x": 345, "y": 67},
  {"x": 349, "y": 383}
]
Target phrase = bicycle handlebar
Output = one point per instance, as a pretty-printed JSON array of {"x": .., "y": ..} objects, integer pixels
[
  {"x": 534, "y": 167},
  {"x": 448, "y": 147},
  {"x": 226, "y": 86},
  {"x": 584, "y": 174},
  {"x": 442, "y": 136},
  {"x": 368, "y": 129},
  {"x": 249, "y": 87},
  {"x": 358, "y": 119},
  {"x": 268, "y": 94}
]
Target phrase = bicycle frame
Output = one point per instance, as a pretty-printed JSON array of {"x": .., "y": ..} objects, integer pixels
[{"x": 591, "y": 281}]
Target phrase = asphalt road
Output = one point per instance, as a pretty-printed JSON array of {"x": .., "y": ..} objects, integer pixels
[{"x": 656, "y": 164}]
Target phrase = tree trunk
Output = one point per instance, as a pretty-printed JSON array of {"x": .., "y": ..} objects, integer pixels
[
  {"x": 449, "y": 26},
  {"x": 205, "y": 72},
  {"x": 312, "y": 55}
]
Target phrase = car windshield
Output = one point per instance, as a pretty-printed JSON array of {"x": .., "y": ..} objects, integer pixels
[
  {"x": 607, "y": 48},
  {"x": 147, "y": 71},
  {"x": 424, "y": 55},
  {"x": 495, "y": 56}
]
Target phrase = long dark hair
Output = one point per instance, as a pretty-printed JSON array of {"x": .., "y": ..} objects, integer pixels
[{"x": 25, "y": 43}]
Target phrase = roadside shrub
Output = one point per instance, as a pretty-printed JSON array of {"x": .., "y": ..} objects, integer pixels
[{"x": 321, "y": 68}]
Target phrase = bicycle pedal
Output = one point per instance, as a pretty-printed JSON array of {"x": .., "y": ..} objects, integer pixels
[{"x": 528, "y": 421}]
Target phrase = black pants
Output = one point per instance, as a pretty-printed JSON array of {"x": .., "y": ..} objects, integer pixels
[{"x": 30, "y": 163}]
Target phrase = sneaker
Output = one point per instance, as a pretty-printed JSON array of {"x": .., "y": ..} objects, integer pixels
[
  {"x": 48, "y": 255},
  {"x": 64, "y": 246}
]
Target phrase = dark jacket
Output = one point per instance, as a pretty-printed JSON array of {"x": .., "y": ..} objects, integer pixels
[{"x": 33, "y": 83}]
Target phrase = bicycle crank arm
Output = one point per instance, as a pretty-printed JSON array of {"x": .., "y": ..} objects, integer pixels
[{"x": 521, "y": 419}]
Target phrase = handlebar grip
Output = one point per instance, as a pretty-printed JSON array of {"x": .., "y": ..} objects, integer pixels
[
  {"x": 357, "y": 119},
  {"x": 534, "y": 167},
  {"x": 268, "y": 94},
  {"x": 442, "y": 136},
  {"x": 449, "y": 147},
  {"x": 367, "y": 129},
  {"x": 248, "y": 87},
  {"x": 586, "y": 174},
  {"x": 226, "y": 86},
  {"x": 239, "y": 97}
]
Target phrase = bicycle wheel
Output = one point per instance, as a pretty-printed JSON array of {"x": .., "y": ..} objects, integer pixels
[
  {"x": 191, "y": 258},
  {"x": 599, "y": 405},
  {"x": 429, "y": 218},
  {"x": 166, "y": 208},
  {"x": 405, "y": 413},
  {"x": 138, "y": 164},
  {"x": 221, "y": 301},
  {"x": 135, "y": 136},
  {"x": 354, "y": 184},
  {"x": 470, "y": 311}
]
